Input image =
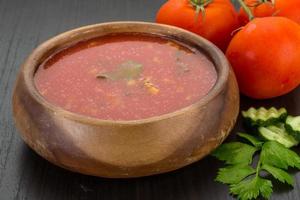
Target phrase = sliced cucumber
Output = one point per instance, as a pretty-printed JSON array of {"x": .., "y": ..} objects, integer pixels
[
  {"x": 292, "y": 125},
  {"x": 264, "y": 117},
  {"x": 279, "y": 135}
]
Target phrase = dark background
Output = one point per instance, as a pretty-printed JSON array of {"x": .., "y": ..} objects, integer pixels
[{"x": 24, "y": 175}]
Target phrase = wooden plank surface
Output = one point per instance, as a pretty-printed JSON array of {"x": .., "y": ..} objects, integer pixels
[{"x": 25, "y": 175}]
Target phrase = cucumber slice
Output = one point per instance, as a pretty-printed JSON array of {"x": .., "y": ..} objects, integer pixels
[
  {"x": 279, "y": 135},
  {"x": 292, "y": 125},
  {"x": 264, "y": 117}
]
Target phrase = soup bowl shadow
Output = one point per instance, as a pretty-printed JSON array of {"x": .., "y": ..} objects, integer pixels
[{"x": 121, "y": 149}]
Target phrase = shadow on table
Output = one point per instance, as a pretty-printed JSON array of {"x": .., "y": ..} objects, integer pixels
[{"x": 51, "y": 182}]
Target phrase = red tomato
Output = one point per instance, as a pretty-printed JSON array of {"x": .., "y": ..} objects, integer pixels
[
  {"x": 284, "y": 8},
  {"x": 217, "y": 26},
  {"x": 265, "y": 57}
]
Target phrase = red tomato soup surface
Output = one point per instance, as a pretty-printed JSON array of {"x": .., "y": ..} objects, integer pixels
[{"x": 125, "y": 77}]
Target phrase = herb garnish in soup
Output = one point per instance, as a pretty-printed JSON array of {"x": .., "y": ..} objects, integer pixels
[{"x": 125, "y": 77}]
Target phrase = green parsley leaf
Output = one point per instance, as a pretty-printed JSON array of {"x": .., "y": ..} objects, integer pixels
[
  {"x": 252, "y": 188},
  {"x": 127, "y": 70},
  {"x": 275, "y": 158},
  {"x": 253, "y": 140},
  {"x": 275, "y": 154},
  {"x": 235, "y": 153},
  {"x": 234, "y": 174},
  {"x": 279, "y": 174}
]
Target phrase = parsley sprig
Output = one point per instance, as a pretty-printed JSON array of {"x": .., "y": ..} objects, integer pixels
[{"x": 248, "y": 180}]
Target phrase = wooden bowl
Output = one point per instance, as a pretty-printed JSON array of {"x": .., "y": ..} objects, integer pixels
[{"x": 124, "y": 148}]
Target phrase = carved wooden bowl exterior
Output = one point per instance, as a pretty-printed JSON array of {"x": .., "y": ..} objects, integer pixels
[{"x": 120, "y": 149}]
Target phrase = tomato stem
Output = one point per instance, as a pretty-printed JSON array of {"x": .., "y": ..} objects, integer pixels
[
  {"x": 200, "y": 5},
  {"x": 259, "y": 2},
  {"x": 246, "y": 9}
]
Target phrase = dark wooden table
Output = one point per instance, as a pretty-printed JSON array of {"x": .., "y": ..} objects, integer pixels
[{"x": 24, "y": 175}]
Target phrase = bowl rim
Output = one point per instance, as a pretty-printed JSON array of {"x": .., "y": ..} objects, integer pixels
[{"x": 33, "y": 61}]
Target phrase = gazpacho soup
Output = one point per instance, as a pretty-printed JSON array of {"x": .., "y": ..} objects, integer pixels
[{"x": 125, "y": 77}]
